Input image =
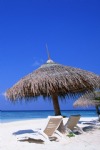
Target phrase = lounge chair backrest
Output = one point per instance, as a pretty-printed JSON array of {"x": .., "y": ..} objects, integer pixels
[
  {"x": 52, "y": 125},
  {"x": 72, "y": 121}
]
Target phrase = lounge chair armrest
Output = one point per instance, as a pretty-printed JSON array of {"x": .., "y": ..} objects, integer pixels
[
  {"x": 59, "y": 133},
  {"x": 43, "y": 134},
  {"x": 79, "y": 129},
  {"x": 67, "y": 130}
]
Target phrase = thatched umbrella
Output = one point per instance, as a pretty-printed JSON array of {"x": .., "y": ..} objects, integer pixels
[
  {"x": 53, "y": 80},
  {"x": 89, "y": 99}
]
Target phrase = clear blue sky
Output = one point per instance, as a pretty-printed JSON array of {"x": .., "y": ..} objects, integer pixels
[{"x": 71, "y": 28}]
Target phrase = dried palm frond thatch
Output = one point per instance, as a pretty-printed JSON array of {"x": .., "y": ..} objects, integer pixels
[
  {"x": 88, "y": 99},
  {"x": 54, "y": 80}
]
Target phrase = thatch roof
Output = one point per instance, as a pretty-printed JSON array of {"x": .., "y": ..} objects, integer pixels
[
  {"x": 53, "y": 78},
  {"x": 88, "y": 99}
]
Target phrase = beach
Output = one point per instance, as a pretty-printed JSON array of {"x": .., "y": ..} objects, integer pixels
[{"x": 88, "y": 140}]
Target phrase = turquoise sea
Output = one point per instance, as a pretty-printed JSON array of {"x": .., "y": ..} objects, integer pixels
[{"x": 8, "y": 116}]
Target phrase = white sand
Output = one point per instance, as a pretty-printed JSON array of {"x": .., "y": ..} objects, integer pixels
[{"x": 89, "y": 140}]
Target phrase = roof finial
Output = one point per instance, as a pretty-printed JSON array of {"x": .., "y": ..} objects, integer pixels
[
  {"x": 48, "y": 52},
  {"x": 49, "y": 61}
]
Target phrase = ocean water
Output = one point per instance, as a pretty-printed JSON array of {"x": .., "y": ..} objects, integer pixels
[{"x": 8, "y": 116}]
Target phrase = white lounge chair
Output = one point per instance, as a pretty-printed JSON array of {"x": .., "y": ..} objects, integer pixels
[
  {"x": 71, "y": 125},
  {"x": 92, "y": 122},
  {"x": 50, "y": 132}
]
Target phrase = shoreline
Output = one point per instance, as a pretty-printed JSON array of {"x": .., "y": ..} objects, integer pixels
[
  {"x": 12, "y": 116},
  {"x": 30, "y": 119},
  {"x": 18, "y": 120}
]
